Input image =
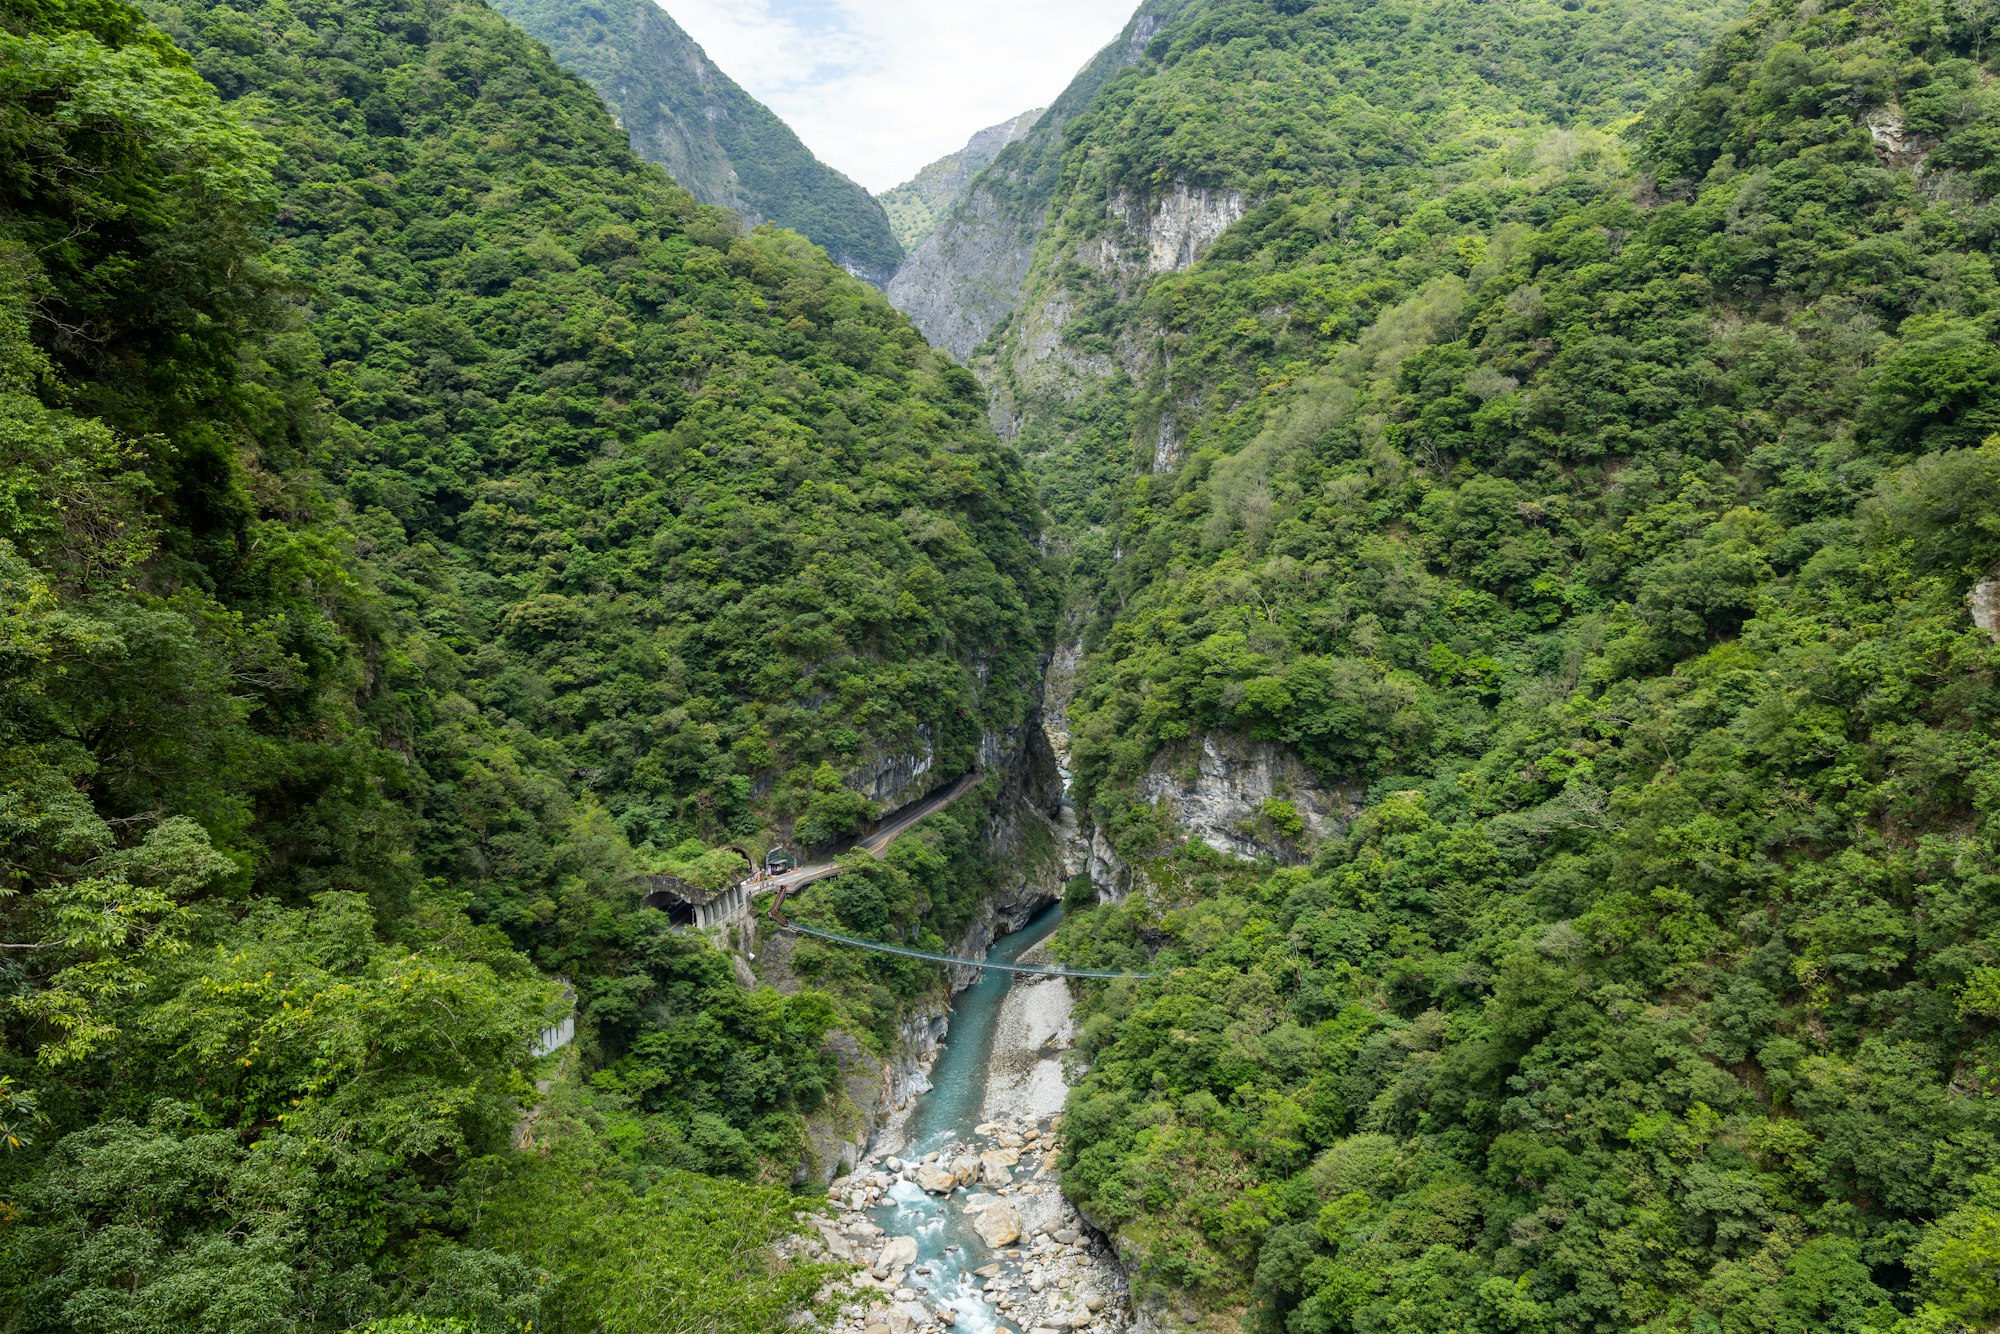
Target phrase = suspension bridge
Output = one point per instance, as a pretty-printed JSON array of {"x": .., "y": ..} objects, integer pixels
[
  {"x": 878, "y": 843},
  {"x": 1022, "y": 969}
]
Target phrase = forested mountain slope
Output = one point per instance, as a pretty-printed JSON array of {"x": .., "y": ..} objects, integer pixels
[
  {"x": 691, "y": 496},
  {"x": 1603, "y": 507},
  {"x": 418, "y": 518},
  {"x": 717, "y": 141}
]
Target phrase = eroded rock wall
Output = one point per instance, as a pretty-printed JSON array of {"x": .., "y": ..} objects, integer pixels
[
  {"x": 1243, "y": 798},
  {"x": 965, "y": 278},
  {"x": 960, "y": 283},
  {"x": 1221, "y": 788},
  {"x": 895, "y": 779}
]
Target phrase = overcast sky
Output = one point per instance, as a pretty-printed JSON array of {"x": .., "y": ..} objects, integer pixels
[{"x": 879, "y": 88}]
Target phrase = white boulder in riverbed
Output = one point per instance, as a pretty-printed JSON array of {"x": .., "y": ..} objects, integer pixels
[
  {"x": 998, "y": 1225},
  {"x": 898, "y": 1254},
  {"x": 995, "y": 1166}
]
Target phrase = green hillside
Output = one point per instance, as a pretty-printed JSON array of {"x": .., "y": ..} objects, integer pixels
[
  {"x": 418, "y": 518},
  {"x": 684, "y": 492},
  {"x": 1566, "y": 430},
  {"x": 716, "y": 140},
  {"x": 1603, "y": 503}
]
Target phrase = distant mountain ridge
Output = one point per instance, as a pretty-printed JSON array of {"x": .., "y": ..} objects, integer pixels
[
  {"x": 962, "y": 282},
  {"x": 727, "y": 148},
  {"x": 915, "y": 206}
]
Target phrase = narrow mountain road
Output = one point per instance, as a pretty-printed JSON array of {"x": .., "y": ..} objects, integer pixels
[
  {"x": 876, "y": 843},
  {"x": 879, "y": 841}
]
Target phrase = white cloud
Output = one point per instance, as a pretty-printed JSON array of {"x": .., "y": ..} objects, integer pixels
[{"x": 878, "y": 88}]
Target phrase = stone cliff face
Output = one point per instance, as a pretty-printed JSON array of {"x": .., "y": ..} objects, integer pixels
[
  {"x": 1136, "y": 239},
  {"x": 1169, "y": 234},
  {"x": 1984, "y": 600},
  {"x": 1023, "y": 835},
  {"x": 962, "y": 282},
  {"x": 1240, "y": 797},
  {"x": 915, "y": 206},
  {"x": 896, "y": 779},
  {"x": 721, "y": 144},
  {"x": 1244, "y": 798},
  {"x": 870, "y": 1090}
]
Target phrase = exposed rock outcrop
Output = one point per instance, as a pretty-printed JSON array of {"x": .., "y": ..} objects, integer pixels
[
  {"x": 1033, "y": 1034},
  {"x": 1174, "y": 231},
  {"x": 1984, "y": 600},
  {"x": 1024, "y": 834},
  {"x": 897, "y": 778},
  {"x": 870, "y": 1090},
  {"x": 1109, "y": 875},
  {"x": 1167, "y": 444},
  {"x": 1142, "y": 238},
  {"x": 964, "y": 279},
  {"x": 1244, "y": 798},
  {"x": 1910, "y": 150},
  {"x": 1218, "y": 789},
  {"x": 1898, "y": 145},
  {"x": 961, "y": 282},
  {"x": 916, "y": 205}
]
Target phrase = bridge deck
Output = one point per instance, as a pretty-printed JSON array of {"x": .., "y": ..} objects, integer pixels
[
  {"x": 906, "y": 953},
  {"x": 878, "y": 843}
]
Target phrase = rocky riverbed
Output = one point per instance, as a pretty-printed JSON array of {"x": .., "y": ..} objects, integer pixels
[
  {"x": 1029, "y": 1263},
  {"x": 1025, "y": 1079},
  {"x": 955, "y": 1218}
]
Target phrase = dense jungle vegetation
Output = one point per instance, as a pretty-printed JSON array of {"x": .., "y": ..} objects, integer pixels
[
  {"x": 417, "y": 519},
  {"x": 420, "y": 519},
  {"x": 1606, "y": 504},
  {"x": 718, "y": 142}
]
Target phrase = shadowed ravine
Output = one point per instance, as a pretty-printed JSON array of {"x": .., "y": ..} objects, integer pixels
[
  {"x": 957, "y": 1097},
  {"x": 973, "y": 1229}
]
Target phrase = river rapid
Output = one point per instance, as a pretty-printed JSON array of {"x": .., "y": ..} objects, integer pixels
[{"x": 956, "y": 1216}]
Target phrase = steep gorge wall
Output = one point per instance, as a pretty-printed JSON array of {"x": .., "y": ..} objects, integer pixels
[
  {"x": 1112, "y": 257},
  {"x": 915, "y": 206},
  {"x": 725, "y": 147},
  {"x": 1329, "y": 517},
  {"x": 1167, "y": 260},
  {"x": 962, "y": 282},
  {"x": 1022, "y": 849}
]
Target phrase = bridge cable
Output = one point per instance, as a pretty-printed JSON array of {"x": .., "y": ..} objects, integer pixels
[{"x": 1022, "y": 969}]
